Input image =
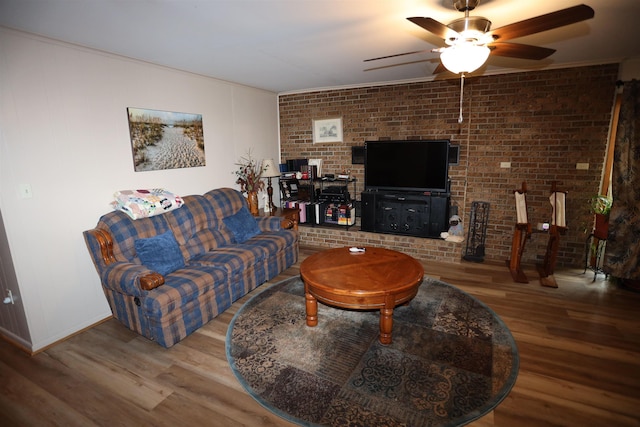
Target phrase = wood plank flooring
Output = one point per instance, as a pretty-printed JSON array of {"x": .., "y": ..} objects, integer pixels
[{"x": 579, "y": 363}]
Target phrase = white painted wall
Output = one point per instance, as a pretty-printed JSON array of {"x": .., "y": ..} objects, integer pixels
[
  {"x": 630, "y": 69},
  {"x": 64, "y": 131}
]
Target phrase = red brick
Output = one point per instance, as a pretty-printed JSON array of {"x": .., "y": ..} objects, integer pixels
[{"x": 543, "y": 122}]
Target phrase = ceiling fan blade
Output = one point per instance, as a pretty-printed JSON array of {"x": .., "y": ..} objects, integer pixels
[
  {"x": 397, "y": 54},
  {"x": 541, "y": 23},
  {"x": 435, "y": 27},
  {"x": 522, "y": 51}
]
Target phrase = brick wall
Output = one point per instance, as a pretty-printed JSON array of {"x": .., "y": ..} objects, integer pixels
[{"x": 542, "y": 122}]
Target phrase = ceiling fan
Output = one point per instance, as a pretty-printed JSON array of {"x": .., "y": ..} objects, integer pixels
[{"x": 470, "y": 40}]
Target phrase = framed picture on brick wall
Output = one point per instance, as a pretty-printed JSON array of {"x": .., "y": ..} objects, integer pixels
[{"x": 327, "y": 130}]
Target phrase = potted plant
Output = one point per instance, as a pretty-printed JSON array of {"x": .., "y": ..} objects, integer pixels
[
  {"x": 601, "y": 206},
  {"x": 248, "y": 175}
]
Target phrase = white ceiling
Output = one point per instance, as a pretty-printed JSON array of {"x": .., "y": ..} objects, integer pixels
[{"x": 297, "y": 45}]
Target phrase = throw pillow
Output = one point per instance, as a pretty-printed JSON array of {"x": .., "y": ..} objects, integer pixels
[
  {"x": 242, "y": 225},
  {"x": 160, "y": 253}
]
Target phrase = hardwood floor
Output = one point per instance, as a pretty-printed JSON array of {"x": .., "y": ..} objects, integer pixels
[{"x": 579, "y": 363}]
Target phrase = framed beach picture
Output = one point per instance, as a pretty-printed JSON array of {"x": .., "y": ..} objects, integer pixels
[
  {"x": 327, "y": 130},
  {"x": 165, "y": 140}
]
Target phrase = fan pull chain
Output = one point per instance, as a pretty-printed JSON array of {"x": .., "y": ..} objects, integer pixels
[{"x": 461, "y": 96}]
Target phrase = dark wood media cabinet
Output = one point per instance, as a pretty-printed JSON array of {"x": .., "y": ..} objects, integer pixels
[{"x": 408, "y": 214}]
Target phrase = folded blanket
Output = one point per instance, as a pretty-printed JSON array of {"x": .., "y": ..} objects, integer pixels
[{"x": 145, "y": 203}]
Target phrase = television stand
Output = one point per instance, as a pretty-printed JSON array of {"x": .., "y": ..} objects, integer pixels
[{"x": 405, "y": 213}]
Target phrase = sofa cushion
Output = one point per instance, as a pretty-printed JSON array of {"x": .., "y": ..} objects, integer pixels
[
  {"x": 244, "y": 265},
  {"x": 233, "y": 259},
  {"x": 226, "y": 201},
  {"x": 242, "y": 224},
  {"x": 160, "y": 253},
  {"x": 125, "y": 231},
  {"x": 274, "y": 241},
  {"x": 196, "y": 227},
  {"x": 184, "y": 286}
]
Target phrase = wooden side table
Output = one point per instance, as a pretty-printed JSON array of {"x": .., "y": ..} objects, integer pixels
[{"x": 290, "y": 217}]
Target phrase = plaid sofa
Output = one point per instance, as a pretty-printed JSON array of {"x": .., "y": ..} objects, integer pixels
[{"x": 217, "y": 270}]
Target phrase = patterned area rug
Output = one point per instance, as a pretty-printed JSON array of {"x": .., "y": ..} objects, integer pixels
[{"x": 451, "y": 361}]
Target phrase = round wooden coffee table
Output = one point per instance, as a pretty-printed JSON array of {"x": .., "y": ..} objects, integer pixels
[{"x": 374, "y": 279}]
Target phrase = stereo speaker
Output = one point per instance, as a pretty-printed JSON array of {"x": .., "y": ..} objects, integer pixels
[
  {"x": 367, "y": 212},
  {"x": 357, "y": 155},
  {"x": 454, "y": 155},
  {"x": 439, "y": 218}
]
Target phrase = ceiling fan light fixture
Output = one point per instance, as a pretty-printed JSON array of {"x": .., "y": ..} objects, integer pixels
[{"x": 464, "y": 57}]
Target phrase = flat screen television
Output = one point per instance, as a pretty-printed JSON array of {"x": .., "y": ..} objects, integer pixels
[{"x": 412, "y": 165}]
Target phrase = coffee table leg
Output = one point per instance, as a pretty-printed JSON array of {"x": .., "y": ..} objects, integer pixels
[
  {"x": 386, "y": 325},
  {"x": 312, "y": 309}
]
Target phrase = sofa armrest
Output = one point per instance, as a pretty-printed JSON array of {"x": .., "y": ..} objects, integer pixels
[
  {"x": 130, "y": 279},
  {"x": 125, "y": 277},
  {"x": 289, "y": 224},
  {"x": 275, "y": 223},
  {"x": 105, "y": 243},
  {"x": 269, "y": 223}
]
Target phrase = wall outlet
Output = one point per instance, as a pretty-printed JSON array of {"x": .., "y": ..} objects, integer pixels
[
  {"x": 582, "y": 166},
  {"x": 505, "y": 165}
]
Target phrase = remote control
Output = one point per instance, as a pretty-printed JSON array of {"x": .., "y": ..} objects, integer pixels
[{"x": 355, "y": 249}]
